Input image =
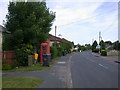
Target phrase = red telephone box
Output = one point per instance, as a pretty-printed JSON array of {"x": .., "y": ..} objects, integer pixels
[{"x": 45, "y": 55}]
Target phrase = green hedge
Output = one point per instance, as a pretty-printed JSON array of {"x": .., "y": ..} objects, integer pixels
[
  {"x": 104, "y": 53},
  {"x": 60, "y": 50},
  {"x": 22, "y": 53},
  {"x": 95, "y": 50},
  {"x": 74, "y": 50},
  {"x": 53, "y": 51}
]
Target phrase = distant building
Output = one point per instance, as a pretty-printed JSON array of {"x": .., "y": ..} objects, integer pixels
[
  {"x": 54, "y": 39},
  {"x": 110, "y": 47}
]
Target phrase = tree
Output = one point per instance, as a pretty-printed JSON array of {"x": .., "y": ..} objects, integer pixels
[
  {"x": 108, "y": 42},
  {"x": 79, "y": 47},
  {"x": 94, "y": 45},
  {"x": 116, "y": 45},
  {"x": 102, "y": 44},
  {"x": 66, "y": 45},
  {"x": 87, "y": 46},
  {"x": 29, "y": 22}
]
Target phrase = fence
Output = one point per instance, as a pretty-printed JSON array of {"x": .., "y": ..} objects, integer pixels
[{"x": 8, "y": 57}]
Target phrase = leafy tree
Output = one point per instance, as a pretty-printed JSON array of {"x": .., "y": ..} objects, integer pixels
[
  {"x": 66, "y": 45},
  {"x": 102, "y": 44},
  {"x": 87, "y": 46},
  {"x": 94, "y": 45},
  {"x": 29, "y": 23},
  {"x": 83, "y": 48},
  {"x": 79, "y": 47},
  {"x": 116, "y": 45},
  {"x": 7, "y": 43},
  {"x": 108, "y": 42}
]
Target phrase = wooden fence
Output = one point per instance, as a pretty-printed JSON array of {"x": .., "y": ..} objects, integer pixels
[{"x": 8, "y": 57}]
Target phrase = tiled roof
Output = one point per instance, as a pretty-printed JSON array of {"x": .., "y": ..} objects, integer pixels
[
  {"x": 53, "y": 38},
  {"x": 4, "y": 30}
]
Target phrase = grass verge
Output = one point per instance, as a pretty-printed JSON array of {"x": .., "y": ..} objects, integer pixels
[
  {"x": 36, "y": 67},
  {"x": 53, "y": 62},
  {"x": 57, "y": 57},
  {"x": 20, "y": 82}
]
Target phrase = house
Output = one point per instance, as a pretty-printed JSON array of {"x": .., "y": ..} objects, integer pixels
[
  {"x": 3, "y": 32},
  {"x": 54, "y": 39},
  {"x": 109, "y": 45}
]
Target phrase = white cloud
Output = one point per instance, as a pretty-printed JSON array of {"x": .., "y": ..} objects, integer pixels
[
  {"x": 77, "y": 21},
  {"x": 81, "y": 24},
  {"x": 3, "y": 10}
]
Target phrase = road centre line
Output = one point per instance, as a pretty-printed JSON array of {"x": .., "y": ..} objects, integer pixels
[
  {"x": 103, "y": 66},
  {"x": 98, "y": 64}
]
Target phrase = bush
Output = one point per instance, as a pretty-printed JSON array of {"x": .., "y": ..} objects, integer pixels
[
  {"x": 53, "y": 51},
  {"x": 74, "y": 50},
  {"x": 104, "y": 53},
  {"x": 22, "y": 53},
  {"x": 60, "y": 50},
  {"x": 95, "y": 50},
  {"x": 6, "y": 67}
]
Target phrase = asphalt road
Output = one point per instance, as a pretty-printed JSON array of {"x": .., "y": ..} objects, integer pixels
[{"x": 91, "y": 71}]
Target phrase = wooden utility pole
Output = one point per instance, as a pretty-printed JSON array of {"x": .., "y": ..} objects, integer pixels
[
  {"x": 99, "y": 41},
  {"x": 99, "y": 36},
  {"x": 55, "y": 36}
]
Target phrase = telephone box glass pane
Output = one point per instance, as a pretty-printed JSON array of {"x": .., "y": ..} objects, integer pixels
[{"x": 44, "y": 50}]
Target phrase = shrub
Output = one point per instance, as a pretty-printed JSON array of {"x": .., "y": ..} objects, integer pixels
[
  {"x": 74, "y": 50},
  {"x": 95, "y": 50},
  {"x": 60, "y": 50},
  {"x": 54, "y": 52},
  {"x": 104, "y": 53},
  {"x": 22, "y": 54}
]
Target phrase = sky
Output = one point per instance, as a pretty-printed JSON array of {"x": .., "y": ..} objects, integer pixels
[{"x": 81, "y": 21}]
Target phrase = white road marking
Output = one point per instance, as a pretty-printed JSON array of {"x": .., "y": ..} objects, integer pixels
[
  {"x": 103, "y": 66},
  {"x": 61, "y": 62}
]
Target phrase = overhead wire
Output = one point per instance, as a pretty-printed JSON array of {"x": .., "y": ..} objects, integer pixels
[{"x": 85, "y": 18}]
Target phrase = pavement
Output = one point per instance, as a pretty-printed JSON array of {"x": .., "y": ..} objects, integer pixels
[{"x": 110, "y": 58}]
